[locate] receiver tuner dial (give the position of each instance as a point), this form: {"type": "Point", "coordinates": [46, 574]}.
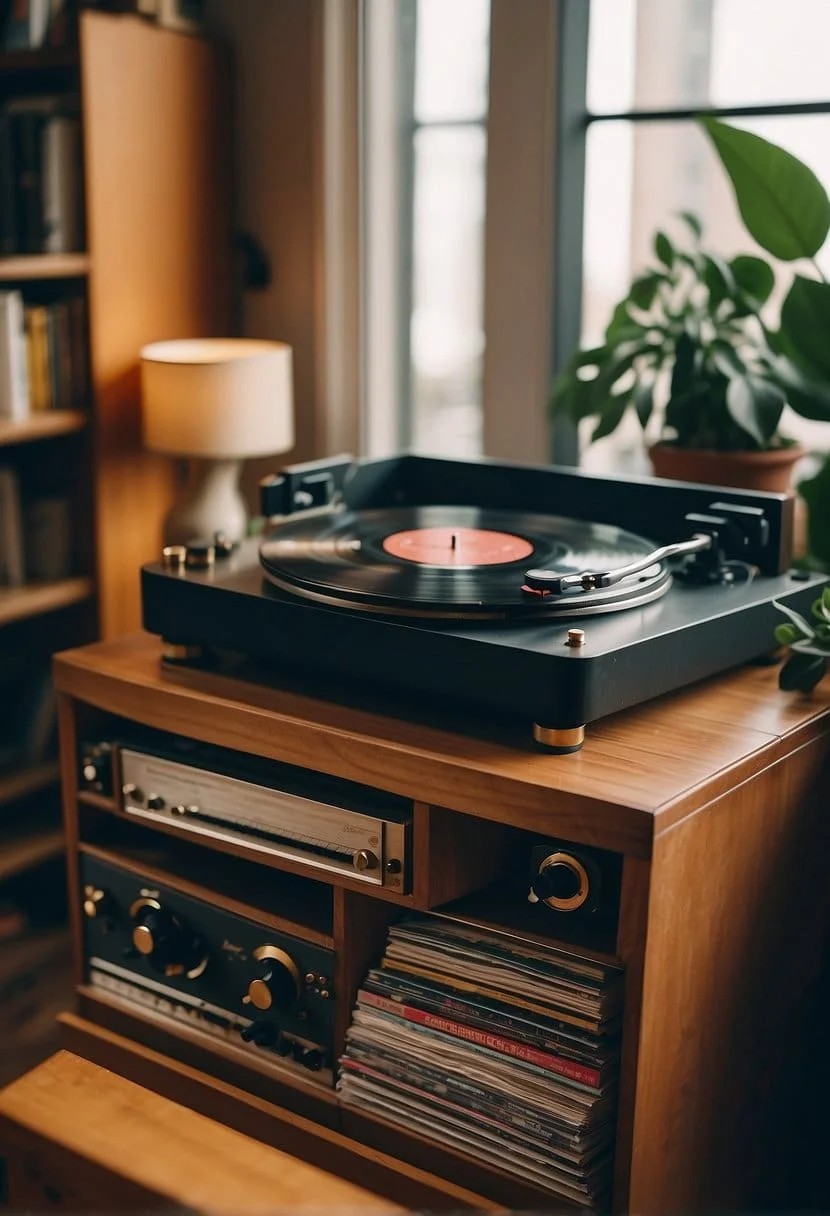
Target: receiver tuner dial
{"type": "Point", "coordinates": [168, 944]}
{"type": "Point", "coordinates": [561, 882]}
{"type": "Point", "coordinates": [277, 984]}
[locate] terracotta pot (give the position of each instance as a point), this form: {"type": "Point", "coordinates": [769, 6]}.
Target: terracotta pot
{"type": "Point", "coordinates": [739, 470]}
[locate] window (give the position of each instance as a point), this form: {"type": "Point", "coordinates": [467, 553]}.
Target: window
{"type": "Point", "coordinates": [425, 158]}
{"type": "Point", "coordinates": [651, 66]}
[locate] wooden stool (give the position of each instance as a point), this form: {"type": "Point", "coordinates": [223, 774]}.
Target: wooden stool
{"type": "Point", "coordinates": [78, 1137]}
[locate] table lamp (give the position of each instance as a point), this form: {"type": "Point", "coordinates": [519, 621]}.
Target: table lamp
{"type": "Point", "coordinates": [216, 401]}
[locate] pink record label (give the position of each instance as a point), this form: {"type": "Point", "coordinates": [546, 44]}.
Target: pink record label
{"type": "Point", "coordinates": [457, 547]}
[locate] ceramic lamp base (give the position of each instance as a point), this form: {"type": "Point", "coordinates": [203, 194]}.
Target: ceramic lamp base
{"type": "Point", "coordinates": [211, 503]}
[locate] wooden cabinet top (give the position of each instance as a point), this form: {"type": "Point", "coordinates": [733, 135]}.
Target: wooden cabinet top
{"type": "Point", "coordinates": [639, 772]}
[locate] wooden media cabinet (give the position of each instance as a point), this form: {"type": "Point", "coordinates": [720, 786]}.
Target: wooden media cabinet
{"type": "Point", "coordinates": [707, 804]}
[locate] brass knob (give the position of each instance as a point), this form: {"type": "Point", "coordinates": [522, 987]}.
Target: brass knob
{"type": "Point", "coordinates": [96, 902]}
{"type": "Point", "coordinates": [279, 982]}
{"type": "Point", "coordinates": [364, 860]}
{"type": "Point", "coordinates": [259, 994]}
{"type": "Point", "coordinates": [143, 939]}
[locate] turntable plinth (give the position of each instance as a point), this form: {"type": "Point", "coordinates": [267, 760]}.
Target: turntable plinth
{"type": "Point", "coordinates": [710, 801]}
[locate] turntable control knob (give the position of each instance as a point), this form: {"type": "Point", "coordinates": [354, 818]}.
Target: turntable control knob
{"type": "Point", "coordinates": [98, 904]}
{"type": "Point", "coordinates": [168, 944]}
{"type": "Point", "coordinates": [561, 882]}
{"type": "Point", "coordinates": [278, 983]}
{"type": "Point", "coordinates": [364, 860]}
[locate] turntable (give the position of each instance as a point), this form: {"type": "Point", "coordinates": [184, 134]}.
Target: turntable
{"type": "Point", "coordinates": [545, 593]}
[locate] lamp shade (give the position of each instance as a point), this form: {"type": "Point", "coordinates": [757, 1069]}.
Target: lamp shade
{"type": "Point", "coordinates": [217, 397]}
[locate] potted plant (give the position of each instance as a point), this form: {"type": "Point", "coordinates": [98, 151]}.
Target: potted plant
{"type": "Point", "coordinates": [689, 352]}
{"type": "Point", "coordinates": [786, 210]}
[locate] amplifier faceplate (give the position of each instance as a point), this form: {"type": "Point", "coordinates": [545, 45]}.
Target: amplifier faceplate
{"type": "Point", "coordinates": [160, 951]}
{"type": "Point", "coordinates": [373, 848]}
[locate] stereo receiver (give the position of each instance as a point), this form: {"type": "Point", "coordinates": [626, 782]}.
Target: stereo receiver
{"type": "Point", "coordinates": [338, 826]}
{"type": "Point", "coordinates": [169, 956]}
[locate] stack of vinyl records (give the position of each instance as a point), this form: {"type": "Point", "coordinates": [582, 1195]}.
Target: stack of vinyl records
{"type": "Point", "coordinates": [504, 1050]}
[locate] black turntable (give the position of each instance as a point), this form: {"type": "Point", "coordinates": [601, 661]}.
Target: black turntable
{"type": "Point", "coordinates": [529, 592]}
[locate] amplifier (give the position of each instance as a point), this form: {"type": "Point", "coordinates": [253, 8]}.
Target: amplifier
{"type": "Point", "coordinates": [168, 955]}
{"type": "Point", "coordinates": [327, 823]}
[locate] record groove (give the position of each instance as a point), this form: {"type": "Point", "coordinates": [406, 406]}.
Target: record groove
{"type": "Point", "coordinates": [467, 562]}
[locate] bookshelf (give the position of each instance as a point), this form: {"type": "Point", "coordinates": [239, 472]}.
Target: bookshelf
{"type": "Point", "coordinates": [154, 262]}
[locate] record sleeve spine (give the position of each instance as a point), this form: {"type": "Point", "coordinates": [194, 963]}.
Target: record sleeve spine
{"type": "Point", "coordinates": [579, 1073]}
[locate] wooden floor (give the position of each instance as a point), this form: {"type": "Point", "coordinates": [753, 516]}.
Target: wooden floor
{"type": "Point", "coordinates": [35, 986]}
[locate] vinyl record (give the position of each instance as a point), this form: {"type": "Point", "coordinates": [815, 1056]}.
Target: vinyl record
{"type": "Point", "coordinates": [453, 562]}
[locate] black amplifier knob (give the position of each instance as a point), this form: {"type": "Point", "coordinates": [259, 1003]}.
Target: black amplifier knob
{"type": "Point", "coordinates": [169, 945]}
{"type": "Point", "coordinates": [277, 984]}
{"type": "Point", "coordinates": [562, 882]}
{"type": "Point", "coordinates": [261, 1034]}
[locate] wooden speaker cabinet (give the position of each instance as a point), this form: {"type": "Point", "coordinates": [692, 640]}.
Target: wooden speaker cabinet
{"type": "Point", "coordinates": [703, 811]}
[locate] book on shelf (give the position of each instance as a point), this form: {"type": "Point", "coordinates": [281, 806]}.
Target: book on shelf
{"type": "Point", "coordinates": [28, 25]}
{"type": "Point", "coordinates": [41, 395]}
{"type": "Point", "coordinates": [14, 373]}
{"type": "Point", "coordinates": [47, 536]}
{"type": "Point", "coordinates": [40, 175]}
{"type": "Point", "coordinates": [12, 570]}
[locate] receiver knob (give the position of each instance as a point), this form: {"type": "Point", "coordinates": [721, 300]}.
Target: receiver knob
{"type": "Point", "coordinates": [364, 860]}
{"type": "Point", "coordinates": [278, 982]}
{"type": "Point", "coordinates": [561, 882]}
{"type": "Point", "coordinates": [167, 943]}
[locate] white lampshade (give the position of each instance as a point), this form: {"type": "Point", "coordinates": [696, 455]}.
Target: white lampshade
{"type": "Point", "coordinates": [225, 398]}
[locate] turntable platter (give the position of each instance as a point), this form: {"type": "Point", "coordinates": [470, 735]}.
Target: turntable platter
{"type": "Point", "coordinates": [453, 562]}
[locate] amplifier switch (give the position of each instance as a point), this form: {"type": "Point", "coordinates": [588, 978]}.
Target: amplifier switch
{"type": "Point", "coordinates": [98, 904]}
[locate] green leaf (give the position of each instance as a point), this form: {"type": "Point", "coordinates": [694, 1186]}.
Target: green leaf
{"type": "Point", "coordinates": [808, 397]}
{"type": "Point", "coordinates": [755, 406]}
{"type": "Point", "coordinates": [805, 323]}
{"type": "Point", "coordinates": [612, 416]}
{"type": "Point", "coordinates": [801, 673]}
{"type": "Point", "coordinates": [664, 249]}
{"type": "Point", "coordinates": [726, 359]}
{"type": "Point", "coordinates": [754, 277]}
{"type": "Point", "coordinates": [644, 402]}
{"type": "Point", "coordinates": [786, 634]}
{"type": "Point", "coordinates": [718, 278]}
{"type": "Point", "coordinates": [622, 326]}
{"type": "Point", "coordinates": [816, 493]}
{"type": "Point", "coordinates": [781, 201]}
{"type": "Point", "coordinates": [684, 361]}
{"type": "Point", "coordinates": [796, 618]}
{"type": "Point", "coordinates": [644, 289]}
{"type": "Point", "coordinates": [693, 223]}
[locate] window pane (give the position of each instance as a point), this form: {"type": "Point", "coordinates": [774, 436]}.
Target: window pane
{"type": "Point", "coordinates": [447, 314]}
{"type": "Point", "coordinates": [656, 55]}
{"type": "Point", "coordinates": [451, 59]}
{"type": "Point", "coordinates": [638, 177]}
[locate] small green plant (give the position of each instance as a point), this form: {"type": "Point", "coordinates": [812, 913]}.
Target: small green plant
{"type": "Point", "coordinates": [809, 645]}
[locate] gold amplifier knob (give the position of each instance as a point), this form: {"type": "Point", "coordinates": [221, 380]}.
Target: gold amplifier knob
{"type": "Point", "coordinates": [169, 945]}
{"type": "Point", "coordinates": [278, 984]}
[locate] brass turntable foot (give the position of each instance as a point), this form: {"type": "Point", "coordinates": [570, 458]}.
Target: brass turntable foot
{"type": "Point", "coordinates": [557, 740]}
{"type": "Point", "coordinates": [180, 652]}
